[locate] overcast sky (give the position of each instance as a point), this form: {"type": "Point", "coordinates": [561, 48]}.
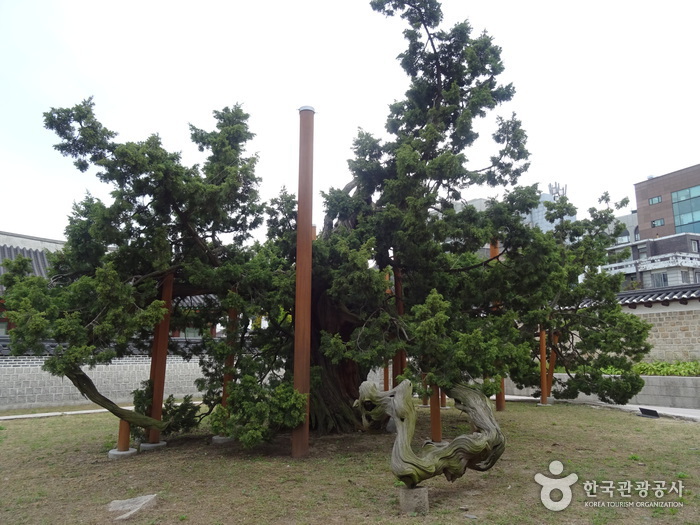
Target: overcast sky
{"type": "Point", "coordinates": [607, 90]}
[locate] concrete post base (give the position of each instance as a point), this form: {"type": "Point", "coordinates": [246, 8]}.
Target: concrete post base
{"type": "Point", "coordinates": [413, 501]}
{"type": "Point", "coordinates": [119, 454]}
{"type": "Point", "coordinates": [143, 447]}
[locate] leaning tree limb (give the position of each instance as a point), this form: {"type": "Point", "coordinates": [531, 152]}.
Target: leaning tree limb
{"type": "Point", "coordinates": [477, 451]}
{"type": "Point", "coordinates": [86, 387]}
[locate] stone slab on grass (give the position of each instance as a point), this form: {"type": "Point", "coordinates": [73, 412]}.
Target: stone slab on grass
{"type": "Point", "coordinates": [131, 506]}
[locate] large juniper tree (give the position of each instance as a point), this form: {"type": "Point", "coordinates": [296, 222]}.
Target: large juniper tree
{"type": "Point", "coordinates": [102, 301]}
{"type": "Point", "coordinates": [456, 315]}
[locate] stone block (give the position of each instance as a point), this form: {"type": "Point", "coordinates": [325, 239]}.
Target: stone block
{"type": "Point", "coordinates": [413, 501]}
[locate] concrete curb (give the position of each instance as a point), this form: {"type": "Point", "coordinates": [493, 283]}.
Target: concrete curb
{"type": "Point", "coordinates": [687, 414]}
{"type": "Point", "coordinates": [54, 414]}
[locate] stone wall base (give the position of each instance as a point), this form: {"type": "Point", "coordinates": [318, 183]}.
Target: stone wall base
{"type": "Point", "coordinates": [23, 383]}
{"type": "Point", "coordinates": [662, 391]}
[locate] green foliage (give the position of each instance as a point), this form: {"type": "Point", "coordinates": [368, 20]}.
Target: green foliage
{"type": "Point", "coordinates": [661, 368]}
{"type": "Point", "coordinates": [658, 368]}
{"type": "Point", "coordinates": [458, 316]}
{"type": "Point", "coordinates": [182, 417]}
{"type": "Point", "coordinates": [102, 298]}
{"type": "Point", "coordinates": [256, 412]}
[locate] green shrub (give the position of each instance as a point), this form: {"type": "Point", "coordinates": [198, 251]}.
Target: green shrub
{"type": "Point", "coordinates": [183, 417]}
{"type": "Point", "coordinates": [256, 412]}
{"type": "Point", "coordinates": [661, 368]}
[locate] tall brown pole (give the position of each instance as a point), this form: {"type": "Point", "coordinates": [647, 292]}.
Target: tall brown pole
{"type": "Point", "coordinates": [500, 396]}
{"type": "Point", "coordinates": [435, 416]}
{"type": "Point", "coordinates": [387, 371]}
{"type": "Point", "coordinates": [543, 366]}
{"type": "Point", "coordinates": [159, 356]}
{"type": "Point", "coordinates": [302, 306]}
{"type": "Point", "coordinates": [399, 360]}
{"type": "Point", "coordinates": [230, 359]}
{"type": "Point", "coordinates": [552, 363]}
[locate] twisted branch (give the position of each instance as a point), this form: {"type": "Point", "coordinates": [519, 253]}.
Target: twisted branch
{"type": "Point", "coordinates": [477, 451]}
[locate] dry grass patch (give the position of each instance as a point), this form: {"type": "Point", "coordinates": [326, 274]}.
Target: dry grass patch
{"type": "Point", "coordinates": [56, 471]}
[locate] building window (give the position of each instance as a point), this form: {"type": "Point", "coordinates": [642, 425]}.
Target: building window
{"type": "Point", "coordinates": [685, 276]}
{"type": "Point", "coordinates": [697, 277]}
{"type": "Point", "coordinates": [192, 333]}
{"type": "Point", "coordinates": [3, 327]}
{"type": "Point", "coordinates": [659, 280]}
{"type": "Point", "coordinates": [655, 200]}
{"type": "Point", "coordinates": [657, 222]}
{"type": "Point", "coordinates": [694, 245]}
{"type": "Point", "coordinates": [624, 237]}
{"type": "Point", "coordinates": [686, 210]}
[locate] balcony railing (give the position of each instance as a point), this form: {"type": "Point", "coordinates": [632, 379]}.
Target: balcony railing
{"type": "Point", "coordinates": [657, 262]}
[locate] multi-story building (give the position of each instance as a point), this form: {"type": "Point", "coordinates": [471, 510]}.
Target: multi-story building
{"type": "Point", "coordinates": [669, 204]}
{"type": "Point", "coordinates": [663, 234]}
{"type": "Point", "coordinates": [536, 216]}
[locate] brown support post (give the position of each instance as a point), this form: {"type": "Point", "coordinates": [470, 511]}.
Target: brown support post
{"type": "Point", "coordinates": [398, 365]}
{"type": "Point", "coordinates": [124, 438]}
{"type": "Point", "coordinates": [552, 363]}
{"type": "Point", "coordinates": [159, 356]}
{"type": "Point", "coordinates": [543, 366]}
{"type": "Point", "coordinates": [501, 395]}
{"type": "Point", "coordinates": [302, 308]}
{"type": "Point", "coordinates": [399, 361]}
{"type": "Point", "coordinates": [435, 416]}
{"type": "Point", "coordinates": [443, 399]}
{"type": "Point", "coordinates": [424, 398]}
{"type": "Point", "coordinates": [228, 374]}
{"type": "Point", "coordinates": [228, 377]}
{"type": "Point", "coordinates": [387, 371]}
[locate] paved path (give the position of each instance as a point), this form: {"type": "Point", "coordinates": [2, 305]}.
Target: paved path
{"type": "Point", "coordinates": [677, 413]}
{"type": "Point", "coordinates": [54, 414]}
{"type": "Point", "coordinates": [689, 414]}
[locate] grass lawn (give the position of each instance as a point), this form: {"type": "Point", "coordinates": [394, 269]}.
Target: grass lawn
{"type": "Point", "coordinates": [56, 471]}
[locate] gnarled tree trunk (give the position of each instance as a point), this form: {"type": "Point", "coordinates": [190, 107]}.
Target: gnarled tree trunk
{"type": "Point", "coordinates": [334, 392]}
{"type": "Point", "coordinates": [83, 383]}
{"type": "Point", "coordinates": [478, 451]}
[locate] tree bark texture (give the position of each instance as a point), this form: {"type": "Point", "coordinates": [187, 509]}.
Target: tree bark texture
{"type": "Point", "coordinates": [86, 387]}
{"type": "Point", "coordinates": [336, 387]}
{"type": "Point", "coordinates": [477, 451]}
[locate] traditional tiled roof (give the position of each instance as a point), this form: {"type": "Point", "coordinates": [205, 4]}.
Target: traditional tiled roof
{"type": "Point", "coordinates": [40, 263]}
{"type": "Point", "coordinates": [182, 346]}
{"type": "Point", "coordinates": [665, 296]}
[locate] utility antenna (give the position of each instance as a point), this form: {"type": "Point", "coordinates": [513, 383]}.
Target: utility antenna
{"type": "Point", "coordinates": [556, 191]}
